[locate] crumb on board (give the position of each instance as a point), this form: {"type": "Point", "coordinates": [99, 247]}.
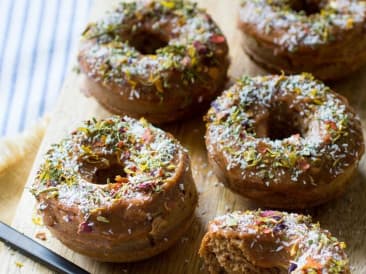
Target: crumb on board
{"type": "Point", "coordinates": [37, 220]}
{"type": "Point", "coordinates": [19, 264]}
{"type": "Point", "coordinates": [41, 235]}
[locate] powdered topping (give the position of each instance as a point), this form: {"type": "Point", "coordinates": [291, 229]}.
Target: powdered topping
{"type": "Point", "coordinates": [107, 160]}
{"type": "Point", "coordinates": [328, 138]}
{"type": "Point", "coordinates": [291, 27]}
{"type": "Point", "coordinates": [192, 39]}
{"type": "Point", "coordinates": [309, 248]}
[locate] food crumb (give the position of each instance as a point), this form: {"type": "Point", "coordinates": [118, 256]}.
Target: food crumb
{"type": "Point", "coordinates": [41, 235]}
{"type": "Point", "coordinates": [19, 264]}
{"type": "Point", "coordinates": [37, 220]}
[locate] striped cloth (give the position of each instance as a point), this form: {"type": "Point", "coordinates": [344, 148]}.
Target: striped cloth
{"type": "Point", "coordinates": [37, 42]}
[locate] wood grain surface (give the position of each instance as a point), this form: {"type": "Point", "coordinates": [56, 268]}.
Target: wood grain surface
{"type": "Point", "coordinates": [345, 217]}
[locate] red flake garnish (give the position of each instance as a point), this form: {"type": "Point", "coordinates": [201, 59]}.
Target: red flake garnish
{"type": "Point", "coordinates": [303, 164]}
{"type": "Point", "coordinates": [268, 213]}
{"type": "Point", "coordinates": [200, 48]}
{"type": "Point", "coordinates": [120, 144]}
{"type": "Point", "coordinates": [217, 39]}
{"type": "Point", "coordinates": [147, 136]}
{"type": "Point", "coordinates": [331, 124]}
{"type": "Point", "coordinates": [311, 263]}
{"type": "Point", "coordinates": [85, 227]}
{"type": "Point", "coordinates": [262, 147]}
{"type": "Point", "coordinates": [147, 186]}
{"type": "Point", "coordinates": [327, 138]}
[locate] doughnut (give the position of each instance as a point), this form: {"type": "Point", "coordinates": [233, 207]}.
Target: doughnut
{"type": "Point", "coordinates": [271, 242]}
{"type": "Point", "coordinates": [324, 37]}
{"type": "Point", "coordinates": [283, 141]}
{"type": "Point", "coordinates": [162, 60]}
{"type": "Point", "coordinates": [116, 190]}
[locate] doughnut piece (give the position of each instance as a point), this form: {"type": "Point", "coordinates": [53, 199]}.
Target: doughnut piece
{"type": "Point", "coordinates": [286, 142]}
{"type": "Point", "coordinates": [162, 60]}
{"type": "Point", "coordinates": [116, 190]}
{"type": "Point", "coordinates": [324, 37]}
{"type": "Point", "coordinates": [271, 242]}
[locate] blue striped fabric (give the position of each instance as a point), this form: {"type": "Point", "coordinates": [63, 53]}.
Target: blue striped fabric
{"type": "Point", "coordinates": [37, 42]}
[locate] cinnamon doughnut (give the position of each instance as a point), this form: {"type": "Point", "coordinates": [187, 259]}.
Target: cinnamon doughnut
{"type": "Point", "coordinates": [286, 142]}
{"type": "Point", "coordinates": [271, 242]}
{"type": "Point", "coordinates": [116, 190]}
{"type": "Point", "coordinates": [162, 60]}
{"type": "Point", "coordinates": [324, 37]}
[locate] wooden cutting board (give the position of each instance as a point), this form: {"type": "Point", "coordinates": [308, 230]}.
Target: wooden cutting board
{"type": "Point", "coordinates": [345, 218]}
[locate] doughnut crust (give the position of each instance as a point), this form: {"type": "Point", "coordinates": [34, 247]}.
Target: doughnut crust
{"type": "Point", "coordinates": [324, 37]}
{"type": "Point", "coordinates": [116, 190]}
{"type": "Point", "coordinates": [286, 142]}
{"type": "Point", "coordinates": [162, 60]}
{"type": "Point", "coordinates": [271, 242]}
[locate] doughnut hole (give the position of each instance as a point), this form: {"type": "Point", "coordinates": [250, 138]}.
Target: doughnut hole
{"type": "Point", "coordinates": [309, 7]}
{"type": "Point", "coordinates": [102, 172]}
{"type": "Point", "coordinates": [279, 122]}
{"type": "Point", "coordinates": [147, 42]}
{"type": "Point", "coordinates": [108, 175]}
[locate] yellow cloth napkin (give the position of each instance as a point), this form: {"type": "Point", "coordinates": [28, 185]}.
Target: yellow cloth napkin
{"type": "Point", "coordinates": [16, 159]}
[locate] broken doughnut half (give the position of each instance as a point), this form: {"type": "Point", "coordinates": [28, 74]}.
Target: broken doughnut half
{"type": "Point", "coordinates": [271, 242]}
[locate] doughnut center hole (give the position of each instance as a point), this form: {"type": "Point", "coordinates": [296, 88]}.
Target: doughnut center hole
{"type": "Point", "coordinates": [147, 42]}
{"type": "Point", "coordinates": [107, 175]}
{"type": "Point", "coordinates": [282, 123]}
{"type": "Point", "coordinates": [308, 7]}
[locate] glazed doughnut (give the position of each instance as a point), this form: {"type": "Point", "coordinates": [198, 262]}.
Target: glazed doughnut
{"type": "Point", "coordinates": [116, 190]}
{"type": "Point", "coordinates": [324, 37]}
{"type": "Point", "coordinates": [286, 142]}
{"type": "Point", "coordinates": [162, 60]}
{"type": "Point", "coordinates": [271, 242]}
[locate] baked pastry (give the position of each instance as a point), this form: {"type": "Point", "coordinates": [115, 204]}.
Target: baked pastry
{"type": "Point", "coordinates": [324, 37]}
{"type": "Point", "coordinates": [271, 242]}
{"type": "Point", "coordinates": [162, 60]}
{"type": "Point", "coordinates": [116, 190]}
{"type": "Point", "coordinates": [286, 142]}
